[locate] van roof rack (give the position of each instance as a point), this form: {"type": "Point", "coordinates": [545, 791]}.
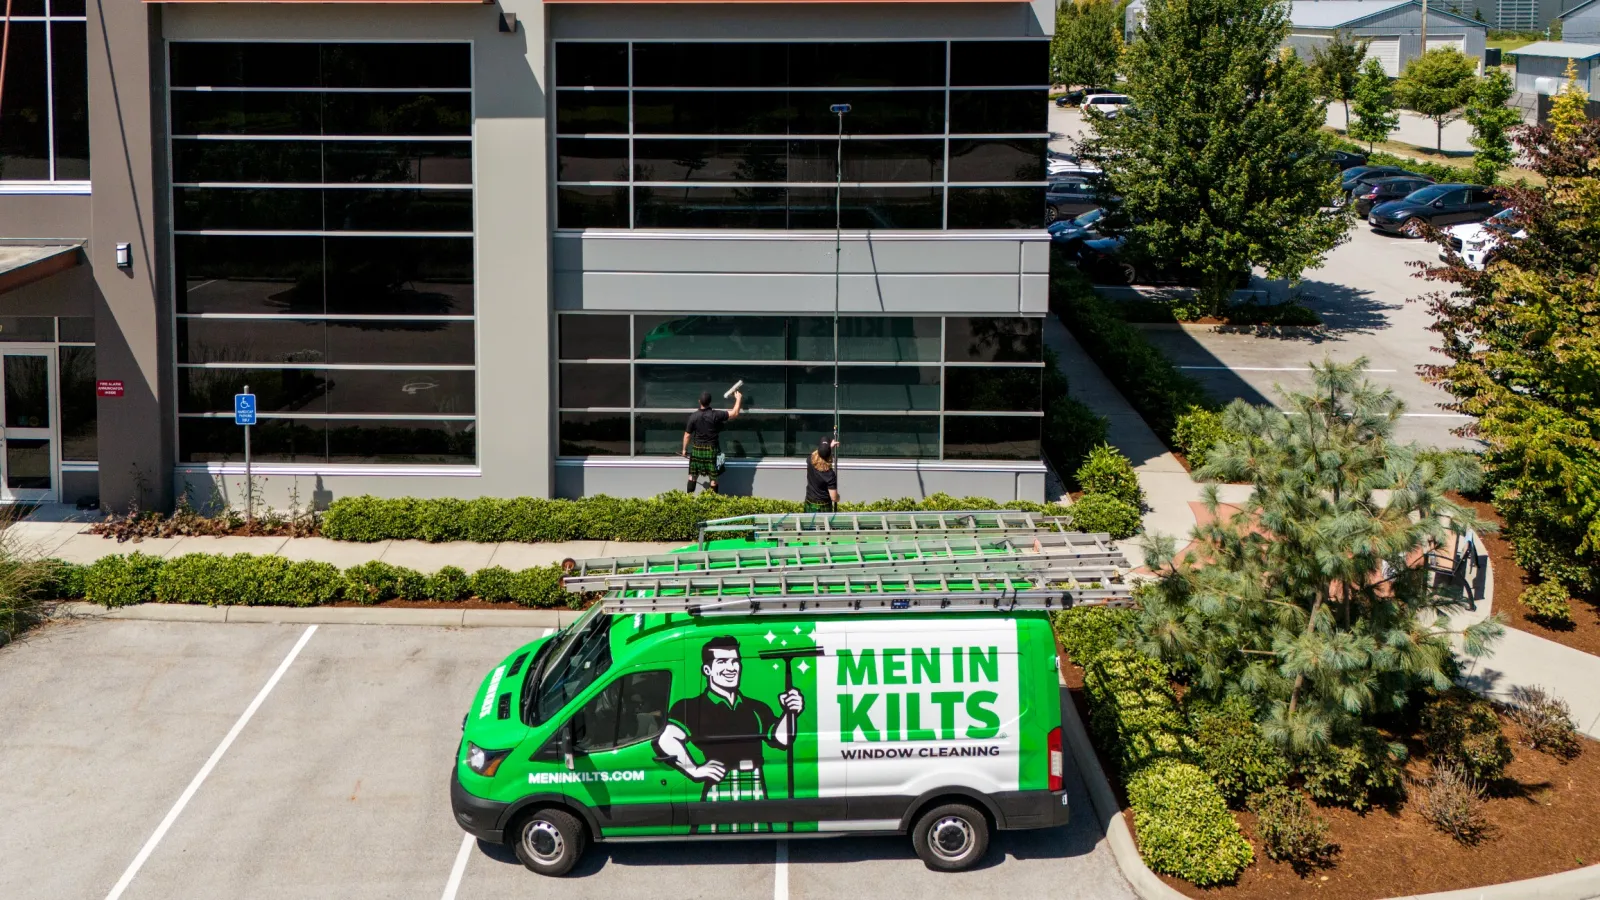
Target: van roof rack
{"type": "Point", "coordinates": [853, 527]}
{"type": "Point", "coordinates": [1072, 554]}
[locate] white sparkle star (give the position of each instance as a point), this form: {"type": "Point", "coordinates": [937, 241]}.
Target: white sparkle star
{"type": "Point", "coordinates": [804, 666]}
{"type": "Point", "coordinates": [784, 643]}
{"type": "Point", "coordinates": [771, 637]}
{"type": "Point", "coordinates": [797, 629]}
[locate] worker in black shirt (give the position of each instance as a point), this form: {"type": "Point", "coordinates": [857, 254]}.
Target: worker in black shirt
{"type": "Point", "coordinates": [822, 480]}
{"type": "Point", "coordinates": [702, 439]}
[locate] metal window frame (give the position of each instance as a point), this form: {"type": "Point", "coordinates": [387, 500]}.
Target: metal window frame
{"type": "Point", "coordinates": [49, 184]}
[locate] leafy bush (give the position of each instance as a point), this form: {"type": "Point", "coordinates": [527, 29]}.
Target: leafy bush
{"type": "Point", "coordinates": [494, 584]}
{"type": "Point", "coordinates": [1288, 830]}
{"type": "Point", "coordinates": [119, 580]}
{"type": "Point", "coordinates": [1198, 430]}
{"type": "Point", "coordinates": [540, 587]}
{"type": "Point", "coordinates": [1103, 512]}
{"type": "Point", "coordinates": [1290, 314]}
{"type": "Point", "coordinates": [1464, 733]}
{"type": "Point", "coordinates": [1108, 472]}
{"type": "Point", "coordinates": [1183, 825]}
{"type": "Point", "coordinates": [63, 580]}
{"type": "Point", "coordinates": [449, 585]}
{"type": "Point", "coordinates": [1358, 775]}
{"type": "Point", "coordinates": [1230, 747]}
{"type": "Point", "coordinates": [307, 583]}
{"type": "Point", "coordinates": [411, 585]}
{"type": "Point", "coordinates": [1548, 602]}
{"type": "Point", "coordinates": [1437, 171]}
{"type": "Point", "coordinates": [1088, 631]}
{"type": "Point", "coordinates": [1453, 802]}
{"type": "Point", "coordinates": [372, 582]}
{"type": "Point", "coordinates": [1070, 429]}
{"type": "Point", "coordinates": [1546, 720]}
{"type": "Point", "coordinates": [1132, 710]}
{"type": "Point", "coordinates": [205, 579]}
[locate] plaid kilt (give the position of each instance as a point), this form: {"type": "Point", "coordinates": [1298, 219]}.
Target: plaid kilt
{"type": "Point", "coordinates": [738, 785]}
{"type": "Point", "coordinates": [819, 507]}
{"type": "Point", "coordinates": [702, 460]}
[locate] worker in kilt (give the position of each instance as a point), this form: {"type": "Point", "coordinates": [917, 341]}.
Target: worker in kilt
{"type": "Point", "coordinates": [702, 439]}
{"type": "Point", "coordinates": [822, 478]}
{"type": "Point", "coordinates": [730, 730]}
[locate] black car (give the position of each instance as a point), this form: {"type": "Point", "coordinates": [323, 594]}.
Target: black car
{"type": "Point", "coordinates": [1382, 190]}
{"type": "Point", "coordinates": [1354, 178]}
{"type": "Point", "coordinates": [1069, 196]}
{"type": "Point", "coordinates": [1068, 234]}
{"type": "Point", "coordinates": [1437, 205]}
{"type": "Point", "coordinates": [1345, 160]}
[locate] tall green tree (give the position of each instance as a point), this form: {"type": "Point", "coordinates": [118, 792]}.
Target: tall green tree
{"type": "Point", "coordinates": [1523, 339]}
{"type": "Point", "coordinates": [1374, 98]}
{"type": "Point", "coordinates": [1437, 84]}
{"type": "Point", "coordinates": [1087, 42]}
{"type": "Point", "coordinates": [1337, 64]}
{"type": "Point", "coordinates": [1220, 161]}
{"type": "Point", "coordinates": [1314, 601]}
{"type": "Point", "coordinates": [1492, 122]}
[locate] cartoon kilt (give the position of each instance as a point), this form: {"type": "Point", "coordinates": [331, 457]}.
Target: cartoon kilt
{"type": "Point", "coordinates": [730, 730]}
{"type": "Point", "coordinates": [742, 783]}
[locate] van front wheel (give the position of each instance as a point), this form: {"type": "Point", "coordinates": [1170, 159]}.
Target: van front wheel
{"type": "Point", "coordinates": [951, 838]}
{"type": "Point", "coordinates": [550, 842]}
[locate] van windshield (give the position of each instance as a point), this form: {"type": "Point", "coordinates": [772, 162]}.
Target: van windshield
{"type": "Point", "coordinates": [581, 655]}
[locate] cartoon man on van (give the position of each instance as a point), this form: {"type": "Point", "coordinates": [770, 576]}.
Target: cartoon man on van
{"type": "Point", "coordinates": [728, 728]}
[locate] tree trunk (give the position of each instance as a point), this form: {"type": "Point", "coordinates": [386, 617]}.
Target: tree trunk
{"type": "Point", "coordinates": [1438, 136]}
{"type": "Point", "coordinates": [1300, 680]}
{"type": "Point", "coordinates": [1346, 102]}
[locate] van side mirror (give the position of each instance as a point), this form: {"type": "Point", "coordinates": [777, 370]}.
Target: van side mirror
{"type": "Point", "coordinates": [567, 755]}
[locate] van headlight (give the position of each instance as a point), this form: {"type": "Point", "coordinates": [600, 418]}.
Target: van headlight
{"type": "Point", "coordinates": [485, 762]}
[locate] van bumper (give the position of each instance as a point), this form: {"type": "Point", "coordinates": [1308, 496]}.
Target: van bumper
{"type": "Point", "coordinates": [1032, 809]}
{"type": "Point", "coordinates": [483, 819]}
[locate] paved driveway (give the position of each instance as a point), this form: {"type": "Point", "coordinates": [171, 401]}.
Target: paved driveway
{"type": "Point", "coordinates": [336, 785]}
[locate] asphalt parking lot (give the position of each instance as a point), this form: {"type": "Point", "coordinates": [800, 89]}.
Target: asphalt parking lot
{"type": "Point", "coordinates": [325, 773]}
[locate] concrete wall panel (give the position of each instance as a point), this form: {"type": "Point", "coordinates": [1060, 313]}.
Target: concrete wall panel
{"type": "Point", "coordinates": [863, 480]}
{"type": "Point", "coordinates": [778, 293]}
{"type": "Point", "coordinates": [32, 216]}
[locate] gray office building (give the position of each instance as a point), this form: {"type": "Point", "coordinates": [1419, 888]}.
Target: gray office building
{"type": "Point", "coordinates": [465, 249]}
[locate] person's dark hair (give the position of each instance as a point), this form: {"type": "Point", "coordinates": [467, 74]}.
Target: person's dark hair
{"type": "Point", "coordinates": [726, 642]}
{"type": "Point", "coordinates": [705, 399]}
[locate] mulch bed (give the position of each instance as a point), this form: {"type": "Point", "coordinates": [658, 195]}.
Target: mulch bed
{"type": "Point", "coordinates": [1510, 580]}
{"type": "Point", "coordinates": [473, 603]}
{"type": "Point", "coordinates": [1543, 816]}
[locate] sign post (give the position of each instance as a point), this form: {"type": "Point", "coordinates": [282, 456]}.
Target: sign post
{"type": "Point", "coordinates": [244, 413]}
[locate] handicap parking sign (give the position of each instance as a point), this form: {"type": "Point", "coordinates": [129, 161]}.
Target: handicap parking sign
{"type": "Point", "coordinates": [244, 409]}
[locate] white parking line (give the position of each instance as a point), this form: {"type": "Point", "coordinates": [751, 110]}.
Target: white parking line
{"type": "Point", "coordinates": [205, 770]}
{"type": "Point", "coordinates": [780, 875]}
{"type": "Point", "coordinates": [1270, 369]}
{"type": "Point", "coordinates": [459, 869]}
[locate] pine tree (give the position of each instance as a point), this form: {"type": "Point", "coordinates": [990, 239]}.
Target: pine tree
{"type": "Point", "coordinates": [1337, 65]}
{"type": "Point", "coordinates": [1220, 162]}
{"type": "Point", "coordinates": [1087, 42]}
{"type": "Point", "coordinates": [1374, 98]}
{"type": "Point", "coordinates": [1437, 84]}
{"type": "Point", "coordinates": [1314, 601]}
{"type": "Point", "coordinates": [1492, 122]}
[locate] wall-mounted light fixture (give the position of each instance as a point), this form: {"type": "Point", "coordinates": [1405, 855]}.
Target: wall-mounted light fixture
{"type": "Point", "coordinates": [124, 256]}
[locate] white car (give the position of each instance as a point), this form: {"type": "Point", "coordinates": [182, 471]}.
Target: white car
{"type": "Point", "coordinates": [1476, 241]}
{"type": "Point", "coordinates": [1105, 104]}
{"type": "Point", "coordinates": [1057, 167]}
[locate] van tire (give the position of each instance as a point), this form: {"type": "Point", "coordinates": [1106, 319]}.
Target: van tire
{"type": "Point", "coordinates": [550, 841]}
{"type": "Point", "coordinates": [950, 838]}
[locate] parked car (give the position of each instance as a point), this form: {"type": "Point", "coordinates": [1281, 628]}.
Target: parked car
{"type": "Point", "coordinates": [1069, 233]}
{"type": "Point", "coordinates": [1105, 104]}
{"type": "Point", "coordinates": [1360, 175]}
{"type": "Point", "coordinates": [1345, 160]}
{"type": "Point", "coordinates": [1382, 190]}
{"type": "Point", "coordinates": [1478, 242]}
{"type": "Point", "coordinates": [1073, 97]}
{"type": "Point", "coordinates": [1060, 164]}
{"type": "Point", "coordinates": [1068, 197]}
{"type": "Point", "coordinates": [1437, 205]}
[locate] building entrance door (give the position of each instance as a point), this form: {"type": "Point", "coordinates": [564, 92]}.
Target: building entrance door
{"type": "Point", "coordinates": [28, 465]}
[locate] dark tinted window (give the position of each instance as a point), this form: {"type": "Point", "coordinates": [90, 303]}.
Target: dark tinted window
{"type": "Point", "coordinates": [1011, 207]}
{"type": "Point", "coordinates": [591, 112]}
{"type": "Point", "coordinates": [588, 385]}
{"type": "Point", "coordinates": [594, 434]}
{"type": "Point", "coordinates": [584, 64]}
{"type": "Point", "coordinates": [397, 162]}
{"type": "Point", "coordinates": [892, 437]}
{"type": "Point", "coordinates": [399, 276]}
{"type": "Point", "coordinates": [993, 340]}
{"type": "Point", "coordinates": [397, 114]}
{"type": "Point", "coordinates": [592, 207]}
{"type": "Point", "coordinates": [997, 159]}
{"type": "Point", "coordinates": [586, 159]}
{"type": "Point", "coordinates": [871, 208]}
{"type": "Point", "coordinates": [711, 337]}
{"type": "Point", "coordinates": [271, 440]}
{"type": "Point", "coordinates": [807, 64]}
{"type": "Point", "coordinates": [238, 64]}
{"type": "Point", "coordinates": [879, 64]}
{"type": "Point", "coordinates": [713, 159]}
{"type": "Point", "coordinates": [594, 337]}
{"type": "Point", "coordinates": [872, 112]}
{"type": "Point", "coordinates": [249, 274]}
{"type": "Point", "coordinates": [865, 387]}
{"type": "Point", "coordinates": [79, 431]}
{"type": "Point", "coordinates": [710, 112]}
{"type": "Point", "coordinates": [69, 71]}
{"type": "Point", "coordinates": [448, 392]}
{"type": "Point", "coordinates": [280, 161]}
{"type": "Point", "coordinates": [682, 207]}
{"type": "Point", "coordinates": [992, 388]}
{"type": "Point", "coordinates": [76, 329]}
{"type": "Point", "coordinates": [231, 112]}
{"type": "Point", "coordinates": [25, 115]}
{"type": "Point", "coordinates": [397, 210]}
{"type": "Point", "coordinates": [367, 341]}
{"type": "Point", "coordinates": [396, 65]}
{"type": "Point", "coordinates": [1000, 62]}
{"type": "Point", "coordinates": [998, 112]}
{"type": "Point", "coordinates": [991, 437]}
{"type": "Point", "coordinates": [698, 64]}
{"type": "Point", "coordinates": [276, 390]}
{"type": "Point", "coordinates": [309, 65]}
{"type": "Point", "coordinates": [1430, 193]}
{"type": "Point", "coordinates": [401, 442]}
{"type": "Point", "coordinates": [197, 209]}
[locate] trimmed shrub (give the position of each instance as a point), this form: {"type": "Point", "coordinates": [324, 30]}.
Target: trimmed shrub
{"type": "Point", "coordinates": [1453, 802]}
{"type": "Point", "coordinates": [1105, 513]}
{"type": "Point", "coordinates": [307, 583]}
{"type": "Point", "coordinates": [1288, 830]}
{"type": "Point", "coordinates": [1183, 825]}
{"type": "Point", "coordinates": [1358, 775]}
{"type": "Point", "coordinates": [449, 585]}
{"type": "Point", "coordinates": [1464, 733]}
{"type": "Point", "coordinates": [1132, 710]}
{"type": "Point", "coordinates": [410, 584]}
{"type": "Point", "coordinates": [204, 579]}
{"type": "Point", "coordinates": [119, 580]}
{"type": "Point", "coordinates": [1085, 632]}
{"type": "Point", "coordinates": [1108, 472]}
{"type": "Point", "coordinates": [64, 580]}
{"type": "Point", "coordinates": [1547, 601]}
{"type": "Point", "coordinates": [372, 582]}
{"type": "Point", "coordinates": [1197, 431]}
{"type": "Point", "coordinates": [1232, 749]}
{"type": "Point", "coordinates": [1546, 721]}
{"type": "Point", "coordinates": [540, 587]}
{"type": "Point", "coordinates": [494, 584]}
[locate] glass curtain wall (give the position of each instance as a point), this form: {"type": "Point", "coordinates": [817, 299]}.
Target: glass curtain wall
{"type": "Point", "coordinates": [909, 387]}
{"type": "Point", "coordinates": [323, 251]}
{"type": "Point", "coordinates": [44, 119]}
{"type": "Point", "coordinates": [941, 134]}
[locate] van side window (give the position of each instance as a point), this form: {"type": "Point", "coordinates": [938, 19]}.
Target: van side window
{"type": "Point", "coordinates": [631, 709]}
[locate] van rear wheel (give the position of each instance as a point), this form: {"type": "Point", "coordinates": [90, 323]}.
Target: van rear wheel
{"type": "Point", "coordinates": [550, 842]}
{"type": "Point", "coordinates": [951, 838]}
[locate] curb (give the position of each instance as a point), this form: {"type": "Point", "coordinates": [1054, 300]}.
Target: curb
{"type": "Point", "coordinates": [1257, 330]}
{"type": "Point", "coordinates": [1574, 884]}
{"type": "Point", "coordinates": [326, 615]}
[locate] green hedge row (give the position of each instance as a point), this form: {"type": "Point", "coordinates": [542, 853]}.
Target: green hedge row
{"type": "Point", "coordinates": [247, 580]}
{"type": "Point", "coordinates": [1180, 817]}
{"type": "Point", "coordinates": [1436, 171]}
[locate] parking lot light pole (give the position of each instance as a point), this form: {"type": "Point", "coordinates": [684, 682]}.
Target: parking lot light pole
{"type": "Point", "coordinates": [838, 109]}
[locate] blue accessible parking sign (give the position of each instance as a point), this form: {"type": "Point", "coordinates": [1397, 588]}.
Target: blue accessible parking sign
{"type": "Point", "coordinates": [244, 409]}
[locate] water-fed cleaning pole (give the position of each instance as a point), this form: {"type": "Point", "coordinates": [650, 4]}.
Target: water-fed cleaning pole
{"type": "Point", "coordinates": [838, 109]}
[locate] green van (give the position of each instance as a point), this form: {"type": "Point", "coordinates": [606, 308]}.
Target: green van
{"type": "Point", "coordinates": [627, 726]}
